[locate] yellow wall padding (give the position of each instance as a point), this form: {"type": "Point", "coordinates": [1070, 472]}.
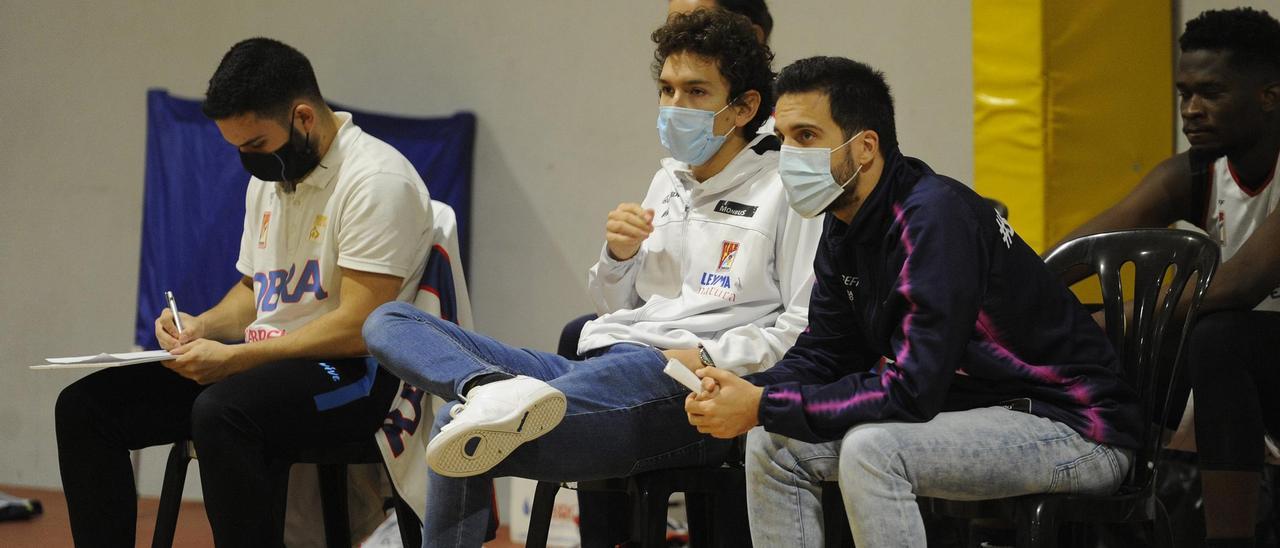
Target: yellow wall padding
{"type": "Point", "coordinates": [1073, 103]}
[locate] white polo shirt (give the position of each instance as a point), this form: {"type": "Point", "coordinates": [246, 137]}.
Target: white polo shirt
{"type": "Point", "coordinates": [363, 208]}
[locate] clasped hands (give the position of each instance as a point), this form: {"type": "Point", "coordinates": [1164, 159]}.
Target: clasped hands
{"type": "Point", "coordinates": [727, 407]}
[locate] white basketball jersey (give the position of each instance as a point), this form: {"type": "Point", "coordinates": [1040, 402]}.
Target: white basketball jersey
{"type": "Point", "coordinates": [1235, 212]}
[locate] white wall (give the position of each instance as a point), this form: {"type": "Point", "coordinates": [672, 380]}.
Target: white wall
{"type": "Point", "coordinates": [566, 109]}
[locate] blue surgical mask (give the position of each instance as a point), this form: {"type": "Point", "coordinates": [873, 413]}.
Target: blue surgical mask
{"type": "Point", "coordinates": [689, 133]}
{"type": "Point", "coordinates": [806, 176]}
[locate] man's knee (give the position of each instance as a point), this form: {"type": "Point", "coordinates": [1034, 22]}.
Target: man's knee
{"type": "Point", "coordinates": [1214, 335]}
{"type": "Point", "coordinates": [867, 450]}
{"type": "Point", "coordinates": [776, 455]}
{"type": "Point", "coordinates": [74, 408]}
{"type": "Point", "coordinates": [212, 416]}
{"type": "Point", "coordinates": [1215, 328]}
{"type": "Point", "coordinates": [384, 318]}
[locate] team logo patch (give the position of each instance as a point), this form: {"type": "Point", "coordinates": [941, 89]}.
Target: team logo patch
{"type": "Point", "coordinates": [718, 285]}
{"type": "Point", "coordinates": [273, 287]}
{"type": "Point", "coordinates": [728, 253]}
{"type": "Point", "coordinates": [1006, 230]}
{"type": "Point", "coordinates": [317, 227]}
{"type": "Point", "coordinates": [736, 209]}
{"type": "Point", "coordinates": [262, 232]}
{"type": "Point", "coordinates": [260, 333]}
{"type": "Point", "coordinates": [850, 281]}
{"type": "Point", "coordinates": [332, 372]}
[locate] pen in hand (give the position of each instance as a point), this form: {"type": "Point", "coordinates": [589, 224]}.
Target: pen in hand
{"type": "Point", "coordinates": [173, 308]}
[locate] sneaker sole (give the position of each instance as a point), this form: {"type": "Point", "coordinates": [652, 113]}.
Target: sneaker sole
{"type": "Point", "coordinates": [490, 443]}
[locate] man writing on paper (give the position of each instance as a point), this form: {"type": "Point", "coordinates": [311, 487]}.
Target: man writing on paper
{"type": "Point", "coordinates": [336, 223]}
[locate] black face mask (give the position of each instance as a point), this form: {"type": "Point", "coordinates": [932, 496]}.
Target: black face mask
{"type": "Point", "coordinates": [287, 165]}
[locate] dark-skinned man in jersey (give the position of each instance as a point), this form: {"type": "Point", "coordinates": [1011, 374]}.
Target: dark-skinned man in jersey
{"type": "Point", "coordinates": [1228, 81]}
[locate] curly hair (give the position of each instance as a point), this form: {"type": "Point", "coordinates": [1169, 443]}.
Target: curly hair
{"type": "Point", "coordinates": [1252, 36]}
{"type": "Point", "coordinates": [729, 40]}
{"type": "Point", "coordinates": [755, 10]}
{"type": "Point", "coordinates": [260, 76]}
{"type": "Point", "coordinates": [859, 95]}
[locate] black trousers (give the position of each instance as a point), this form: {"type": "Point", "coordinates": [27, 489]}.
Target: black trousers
{"type": "Point", "coordinates": [245, 429]}
{"type": "Point", "coordinates": [1235, 363]}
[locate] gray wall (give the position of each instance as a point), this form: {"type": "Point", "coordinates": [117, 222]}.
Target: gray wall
{"type": "Point", "coordinates": [566, 109]}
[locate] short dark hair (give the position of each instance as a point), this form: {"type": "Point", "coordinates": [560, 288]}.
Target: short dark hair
{"type": "Point", "coordinates": [755, 10]}
{"type": "Point", "coordinates": [260, 76]}
{"type": "Point", "coordinates": [1251, 36]}
{"type": "Point", "coordinates": [728, 39]}
{"type": "Point", "coordinates": [860, 97]}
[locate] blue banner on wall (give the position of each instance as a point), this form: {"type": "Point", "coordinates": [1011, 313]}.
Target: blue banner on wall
{"type": "Point", "coordinates": [193, 203]}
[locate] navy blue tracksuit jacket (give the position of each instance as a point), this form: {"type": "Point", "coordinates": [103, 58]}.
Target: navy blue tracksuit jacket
{"type": "Point", "coordinates": [930, 277]}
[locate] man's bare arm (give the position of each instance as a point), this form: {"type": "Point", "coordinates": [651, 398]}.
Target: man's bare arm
{"type": "Point", "coordinates": [1160, 198]}
{"type": "Point", "coordinates": [1251, 274]}
{"type": "Point", "coordinates": [335, 334]}
{"type": "Point", "coordinates": [1163, 195]}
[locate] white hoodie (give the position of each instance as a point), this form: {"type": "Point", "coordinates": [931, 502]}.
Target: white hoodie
{"type": "Point", "coordinates": [729, 266]}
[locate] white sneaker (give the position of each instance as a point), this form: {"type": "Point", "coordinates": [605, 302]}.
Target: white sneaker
{"type": "Point", "coordinates": [493, 420]}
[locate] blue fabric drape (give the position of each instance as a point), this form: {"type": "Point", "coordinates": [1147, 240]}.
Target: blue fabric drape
{"type": "Point", "coordinates": [193, 203]}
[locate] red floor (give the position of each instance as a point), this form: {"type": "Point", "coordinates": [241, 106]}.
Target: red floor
{"type": "Point", "coordinates": [51, 529]}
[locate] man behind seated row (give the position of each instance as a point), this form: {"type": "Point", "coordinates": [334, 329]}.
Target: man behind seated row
{"type": "Point", "coordinates": [1228, 80]}
{"type": "Point", "coordinates": [711, 267]}
{"type": "Point", "coordinates": [942, 357]}
{"type": "Point", "coordinates": [336, 223]}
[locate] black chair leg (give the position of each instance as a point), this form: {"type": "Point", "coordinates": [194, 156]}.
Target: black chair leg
{"type": "Point", "coordinates": [1161, 533]}
{"type": "Point", "coordinates": [702, 520]}
{"type": "Point", "coordinates": [544, 500]}
{"type": "Point", "coordinates": [407, 522]}
{"type": "Point", "coordinates": [733, 527]}
{"type": "Point", "coordinates": [175, 475]}
{"type": "Point", "coordinates": [650, 523]}
{"type": "Point", "coordinates": [1039, 527]}
{"type": "Point", "coordinates": [333, 503]}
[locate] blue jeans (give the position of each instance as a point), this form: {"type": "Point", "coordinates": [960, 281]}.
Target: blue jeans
{"type": "Point", "coordinates": [625, 416]}
{"type": "Point", "coordinates": [881, 467]}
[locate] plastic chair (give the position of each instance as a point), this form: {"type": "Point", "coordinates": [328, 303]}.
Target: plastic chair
{"type": "Point", "coordinates": [1138, 343]}
{"type": "Point", "coordinates": [331, 465]}
{"type": "Point", "coordinates": [715, 499]}
{"type": "Point", "coordinates": [713, 495]}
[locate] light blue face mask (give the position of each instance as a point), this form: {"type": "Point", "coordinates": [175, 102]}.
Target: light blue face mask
{"type": "Point", "coordinates": [806, 176]}
{"type": "Point", "coordinates": [689, 133]}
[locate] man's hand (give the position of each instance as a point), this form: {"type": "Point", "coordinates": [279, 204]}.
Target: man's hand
{"type": "Point", "coordinates": [687, 356]}
{"type": "Point", "coordinates": [167, 333]}
{"type": "Point", "coordinates": [725, 412]}
{"type": "Point", "coordinates": [206, 361]}
{"type": "Point", "coordinates": [628, 226]}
